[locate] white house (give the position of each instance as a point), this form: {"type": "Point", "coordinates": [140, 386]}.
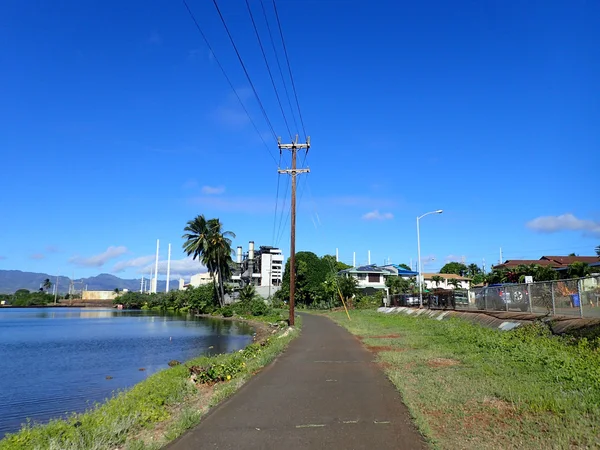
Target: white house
{"type": "Point", "coordinates": [199, 279]}
{"type": "Point", "coordinates": [463, 282]}
{"type": "Point", "coordinates": [368, 276]}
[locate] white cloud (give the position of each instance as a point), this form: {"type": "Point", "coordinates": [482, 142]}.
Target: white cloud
{"type": "Point", "coordinates": [100, 259]}
{"type": "Point", "coordinates": [213, 190]}
{"type": "Point", "coordinates": [179, 268]}
{"type": "Point", "coordinates": [553, 224]}
{"type": "Point", "coordinates": [37, 256]}
{"type": "Point", "coordinates": [376, 215]}
{"type": "Point", "coordinates": [135, 262]}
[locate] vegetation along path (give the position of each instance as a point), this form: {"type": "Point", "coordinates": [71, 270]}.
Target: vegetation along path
{"type": "Point", "coordinates": [324, 392]}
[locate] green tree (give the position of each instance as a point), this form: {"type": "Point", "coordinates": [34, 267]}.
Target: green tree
{"type": "Point", "coordinates": [472, 270]}
{"type": "Point", "coordinates": [578, 269]}
{"type": "Point", "coordinates": [398, 285]}
{"type": "Point", "coordinates": [311, 273]}
{"type": "Point", "coordinates": [405, 267]}
{"type": "Point", "coordinates": [437, 280]}
{"type": "Point", "coordinates": [598, 250]}
{"type": "Point", "coordinates": [456, 284]}
{"type": "Point", "coordinates": [455, 268]}
{"type": "Point", "coordinates": [348, 287]}
{"type": "Point", "coordinates": [206, 241]}
{"type": "Point", "coordinates": [47, 284]}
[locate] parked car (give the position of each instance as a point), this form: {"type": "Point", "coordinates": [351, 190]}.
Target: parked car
{"type": "Point", "coordinates": [503, 297]}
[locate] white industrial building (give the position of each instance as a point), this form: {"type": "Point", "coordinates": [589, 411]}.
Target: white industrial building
{"type": "Point", "coordinates": [263, 268]}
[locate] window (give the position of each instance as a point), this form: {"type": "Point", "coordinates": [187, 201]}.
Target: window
{"type": "Point", "coordinates": [374, 278]}
{"type": "Point", "coordinates": [361, 276]}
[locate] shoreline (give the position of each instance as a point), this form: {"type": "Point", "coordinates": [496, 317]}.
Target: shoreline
{"type": "Point", "coordinates": [162, 406]}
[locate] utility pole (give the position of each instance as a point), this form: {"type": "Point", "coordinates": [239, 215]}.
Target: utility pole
{"type": "Point", "coordinates": [293, 147]}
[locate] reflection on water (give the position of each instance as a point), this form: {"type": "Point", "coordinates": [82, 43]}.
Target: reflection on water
{"type": "Point", "coordinates": [56, 360]}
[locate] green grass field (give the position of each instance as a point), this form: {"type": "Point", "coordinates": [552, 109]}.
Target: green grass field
{"type": "Point", "coordinates": [471, 387]}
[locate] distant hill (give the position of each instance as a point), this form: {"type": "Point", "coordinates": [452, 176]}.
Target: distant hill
{"type": "Point", "coordinates": [13, 280]}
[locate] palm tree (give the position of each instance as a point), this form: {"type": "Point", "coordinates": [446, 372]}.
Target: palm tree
{"type": "Point", "coordinates": [598, 250]}
{"type": "Point", "coordinates": [207, 242]}
{"type": "Point", "coordinates": [247, 293]}
{"type": "Point", "coordinates": [473, 269]}
{"type": "Point", "coordinates": [437, 279]}
{"type": "Point", "coordinates": [454, 283]}
{"type": "Point", "coordinates": [47, 284]}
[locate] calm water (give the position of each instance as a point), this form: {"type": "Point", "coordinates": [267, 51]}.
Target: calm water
{"type": "Point", "coordinates": [56, 360]}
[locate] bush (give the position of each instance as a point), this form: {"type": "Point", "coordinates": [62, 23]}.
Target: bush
{"type": "Point", "coordinates": [259, 308]}
{"type": "Point", "coordinates": [226, 311]}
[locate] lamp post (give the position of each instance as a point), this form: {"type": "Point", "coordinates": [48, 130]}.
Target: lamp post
{"type": "Point", "coordinates": [439, 211]}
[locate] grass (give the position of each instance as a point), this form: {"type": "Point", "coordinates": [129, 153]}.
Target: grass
{"type": "Point", "coordinates": [152, 413]}
{"type": "Point", "coordinates": [471, 387]}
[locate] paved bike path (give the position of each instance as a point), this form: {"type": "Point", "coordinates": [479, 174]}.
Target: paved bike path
{"type": "Point", "coordinates": [325, 391]}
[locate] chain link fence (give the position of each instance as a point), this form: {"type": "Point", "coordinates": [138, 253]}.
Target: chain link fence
{"type": "Point", "coordinates": [579, 297]}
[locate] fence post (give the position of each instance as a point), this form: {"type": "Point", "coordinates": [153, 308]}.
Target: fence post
{"type": "Point", "coordinates": [580, 298]}
{"type": "Point", "coordinates": [529, 297]}
{"type": "Point", "coordinates": [553, 301]}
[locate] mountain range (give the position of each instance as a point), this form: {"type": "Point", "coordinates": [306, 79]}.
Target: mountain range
{"type": "Point", "coordinates": [12, 280]}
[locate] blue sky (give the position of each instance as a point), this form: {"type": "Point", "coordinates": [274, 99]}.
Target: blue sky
{"type": "Point", "coordinates": [118, 127]}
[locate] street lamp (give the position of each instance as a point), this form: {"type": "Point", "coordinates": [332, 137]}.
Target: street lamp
{"type": "Point", "coordinates": [439, 211]}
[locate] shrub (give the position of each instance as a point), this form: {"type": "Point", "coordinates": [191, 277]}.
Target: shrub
{"type": "Point", "coordinates": [227, 311]}
{"type": "Point", "coordinates": [258, 307]}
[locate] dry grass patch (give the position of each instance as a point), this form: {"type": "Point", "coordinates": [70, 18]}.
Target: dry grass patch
{"type": "Point", "coordinates": [384, 348]}
{"type": "Point", "coordinates": [442, 362]}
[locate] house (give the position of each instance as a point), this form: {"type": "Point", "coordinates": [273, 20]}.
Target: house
{"type": "Point", "coordinates": [369, 276]}
{"type": "Point", "coordinates": [463, 282]}
{"type": "Point", "coordinates": [400, 271]}
{"type": "Point", "coordinates": [556, 262]}
{"type": "Point", "coordinates": [200, 279]}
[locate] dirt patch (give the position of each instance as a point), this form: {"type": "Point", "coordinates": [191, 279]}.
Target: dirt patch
{"type": "Point", "coordinates": [442, 362]}
{"type": "Point", "coordinates": [384, 348]}
{"type": "Point", "coordinates": [383, 336]}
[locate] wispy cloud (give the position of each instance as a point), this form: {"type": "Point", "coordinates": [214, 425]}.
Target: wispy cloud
{"type": "Point", "coordinates": [455, 258]}
{"type": "Point", "coordinates": [135, 262]}
{"type": "Point", "coordinates": [100, 259]}
{"type": "Point", "coordinates": [52, 249]}
{"type": "Point", "coordinates": [2, 257]}
{"type": "Point", "coordinates": [564, 222]}
{"type": "Point", "coordinates": [376, 215]}
{"type": "Point", "coordinates": [37, 256]}
{"type": "Point", "coordinates": [213, 190]}
{"type": "Point", "coordinates": [179, 268]}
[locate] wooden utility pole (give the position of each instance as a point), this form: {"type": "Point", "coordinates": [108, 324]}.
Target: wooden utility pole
{"type": "Point", "coordinates": [293, 147]}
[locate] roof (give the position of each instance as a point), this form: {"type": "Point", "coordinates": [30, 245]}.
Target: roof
{"type": "Point", "coordinates": [446, 276]}
{"type": "Point", "coordinates": [557, 262]}
{"type": "Point", "coordinates": [401, 271]}
{"type": "Point", "coordinates": [525, 262]}
{"type": "Point", "coordinates": [367, 269]}
{"type": "Point", "coordinates": [566, 260]}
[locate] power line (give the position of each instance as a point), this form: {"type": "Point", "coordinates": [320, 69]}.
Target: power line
{"type": "Point", "coordinates": [289, 68]}
{"type": "Point", "coordinates": [268, 67]}
{"type": "Point", "coordinates": [287, 94]}
{"type": "Point", "coordinates": [228, 79]}
{"type": "Point", "coordinates": [245, 70]}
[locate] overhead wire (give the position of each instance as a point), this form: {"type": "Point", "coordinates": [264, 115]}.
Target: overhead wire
{"type": "Point", "coordinates": [228, 79]}
{"type": "Point", "coordinates": [287, 94]}
{"type": "Point", "coordinates": [268, 67]}
{"type": "Point", "coordinates": [245, 69]}
{"type": "Point", "coordinates": [289, 68]}
{"type": "Point", "coordinates": [276, 203]}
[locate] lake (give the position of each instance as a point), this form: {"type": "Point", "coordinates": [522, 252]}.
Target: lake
{"type": "Point", "coordinates": [55, 361]}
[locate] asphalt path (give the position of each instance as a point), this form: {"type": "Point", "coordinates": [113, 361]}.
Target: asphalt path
{"type": "Point", "coordinates": [325, 391]}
